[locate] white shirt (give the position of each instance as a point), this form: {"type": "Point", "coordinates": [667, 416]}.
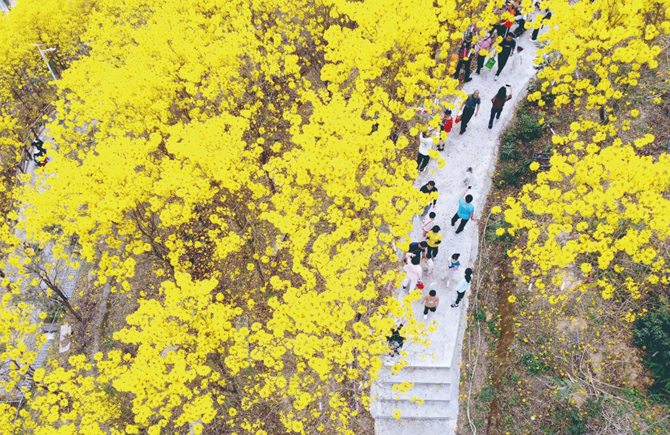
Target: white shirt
{"type": "Point", "coordinates": [463, 285]}
{"type": "Point", "coordinates": [425, 144]}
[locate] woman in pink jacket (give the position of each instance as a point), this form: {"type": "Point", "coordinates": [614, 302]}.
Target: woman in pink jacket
{"type": "Point", "coordinates": [413, 270]}
{"type": "Point", "coordinates": [482, 45]}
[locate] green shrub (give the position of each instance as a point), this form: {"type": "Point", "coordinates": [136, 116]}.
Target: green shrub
{"type": "Point", "coordinates": [508, 149]}
{"type": "Point", "coordinates": [651, 333]}
{"type": "Point", "coordinates": [514, 174]}
{"type": "Point", "coordinates": [535, 365]}
{"type": "Point", "coordinates": [571, 420]}
{"type": "Point", "coordinates": [527, 126]}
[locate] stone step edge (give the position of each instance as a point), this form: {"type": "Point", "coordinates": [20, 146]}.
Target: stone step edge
{"type": "Point", "coordinates": [421, 366]}
{"type": "Point", "coordinates": [417, 382]}
{"type": "Point", "coordinates": [393, 400]}
{"type": "Point", "coordinates": [390, 417]}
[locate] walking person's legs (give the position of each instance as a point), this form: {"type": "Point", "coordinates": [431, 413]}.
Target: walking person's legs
{"type": "Point", "coordinates": [432, 252]}
{"type": "Point", "coordinates": [495, 113]}
{"type": "Point", "coordinates": [459, 297]}
{"type": "Point", "coordinates": [447, 275]}
{"type": "Point", "coordinates": [458, 69]}
{"type": "Point", "coordinates": [427, 309]}
{"type": "Point", "coordinates": [534, 35]}
{"type": "Point", "coordinates": [465, 118]}
{"type": "Point", "coordinates": [480, 63]}
{"type": "Point", "coordinates": [408, 284]}
{"type": "Point", "coordinates": [502, 61]}
{"type": "Point", "coordinates": [466, 65]}
{"type": "Point", "coordinates": [422, 161]}
{"type": "Point", "coordinates": [454, 219]}
{"type": "Point", "coordinates": [426, 209]}
{"type": "Point", "coordinates": [461, 225]}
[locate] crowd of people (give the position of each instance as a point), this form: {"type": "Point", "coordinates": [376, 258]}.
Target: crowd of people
{"type": "Point", "coordinates": [503, 33]}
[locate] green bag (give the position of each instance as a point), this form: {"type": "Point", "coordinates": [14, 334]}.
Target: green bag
{"type": "Point", "coordinates": [489, 63]}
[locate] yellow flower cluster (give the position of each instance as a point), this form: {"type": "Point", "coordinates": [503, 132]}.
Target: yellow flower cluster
{"type": "Point", "coordinates": [595, 50]}
{"type": "Point", "coordinates": [593, 210]}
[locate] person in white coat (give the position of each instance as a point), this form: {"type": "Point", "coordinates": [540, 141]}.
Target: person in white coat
{"type": "Point", "coordinates": [425, 144]}
{"type": "Point", "coordinates": [413, 270]}
{"type": "Point", "coordinates": [463, 286]}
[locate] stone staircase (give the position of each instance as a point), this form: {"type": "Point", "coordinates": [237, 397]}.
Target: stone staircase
{"type": "Point", "coordinates": [431, 374]}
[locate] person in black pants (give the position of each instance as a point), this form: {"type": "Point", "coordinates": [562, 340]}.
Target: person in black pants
{"type": "Point", "coordinates": [536, 31]}
{"type": "Point", "coordinates": [470, 104]}
{"type": "Point", "coordinates": [428, 189]}
{"type": "Point", "coordinates": [40, 151]}
{"type": "Point", "coordinates": [396, 340]}
{"type": "Point", "coordinates": [464, 58]}
{"type": "Point", "coordinates": [507, 46]}
{"type": "Point", "coordinates": [498, 102]}
{"type": "Point", "coordinates": [466, 211]}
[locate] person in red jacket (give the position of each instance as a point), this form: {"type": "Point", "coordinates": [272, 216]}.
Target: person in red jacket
{"type": "Point", "coordinates": [447, 125]}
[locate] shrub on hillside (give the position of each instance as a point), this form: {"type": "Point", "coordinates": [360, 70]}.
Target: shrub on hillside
{"type": "Point", "coordinates": [651, 333]}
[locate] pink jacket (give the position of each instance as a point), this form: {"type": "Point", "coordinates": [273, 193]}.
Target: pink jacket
{"type": "Point", "coordinates": [414, 271]}
{"type": "Point", "coordinates": [485, 44]}
{"type": "Point", "coordinates": [428, 225]}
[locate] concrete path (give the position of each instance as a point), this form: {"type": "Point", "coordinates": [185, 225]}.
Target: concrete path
{"type": "Point", "coordinates": [435, 370]}
{"type": "Point", "coordinates": [64, 271]}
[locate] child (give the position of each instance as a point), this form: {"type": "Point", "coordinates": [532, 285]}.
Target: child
{"type": "Point", "coordinates": [429, 266]}
{"type": "Point", "coordinates": [517, 60]}
{"type": "Point", "coordinates": [428, 223]}
{"type": "Point", "coordinates": [463, 286]}
{"type": "Point", "coordinates": [447, 125]}
{"type": "Point", "coordinates": [434, 239]}
{"type": "Point", "coordinates": [451, 267]}
{"type": "Point", "coordinates": [430, 302]}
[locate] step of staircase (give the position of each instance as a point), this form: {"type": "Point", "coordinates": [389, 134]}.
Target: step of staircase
{"type": "Point", "coordinates": [429, 410]}
{"type": "Point", "coordinates": [385, 426]}
{"type": "Point", "coordinates": [437, 392]}
{"type": "Point", "coordinates": [417, 375]}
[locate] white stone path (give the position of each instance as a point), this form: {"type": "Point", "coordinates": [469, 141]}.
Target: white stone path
{"type": "Point", "coordinates": [63, 272]}
{"type": "Point", "coordinates": [435, 370]}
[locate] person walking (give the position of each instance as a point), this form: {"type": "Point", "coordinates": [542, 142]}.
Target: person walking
{"type": "Point", "coordinates": [545, 20]}
{"type": "Point", "coordinates": [425, 144]}
{"type": "Point", "coordinates": [396, 340]}
{"type": "Point", "coordinates": [452, 267]}
{"type": "Point", "coordinates": [429, 189]}
{"type": "Point", "coordinates": [471, 103]}
{"type": "Point", "coordinates": [447, 125]}
{"type": "Point", "coordinates": [482, 49]}
{"type": "Point", "coordinates": [464, 58]}
{"type": "Point", "coordinates": [430, 303]}
{"type": "Point", "coordinates": [462, 287]}
{"type": "Point", "coordinates": [466, 211]}
{"type": "Point", "coordinates": [434, 239]}
{"type": "Point", "coordinates": [416, 248]}
{"type": "Point", "coordinates": [428, 223]}
{"type": "Point", "coordinates": [518, 58]}
{"type": "Point", "coordinates": [413, 270]}
{"type": "Point", "coordinates": [498, 102]}
{"type": "Point", "coordinates": [507, 46]}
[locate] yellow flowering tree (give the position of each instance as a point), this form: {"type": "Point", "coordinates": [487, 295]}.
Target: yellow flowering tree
{"type": "Point", "coordinates": [241, 153]}
{"type": "Point", "coordinates": [594, 51]}
{"type": "Point", "coordinates": [599, 209]}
